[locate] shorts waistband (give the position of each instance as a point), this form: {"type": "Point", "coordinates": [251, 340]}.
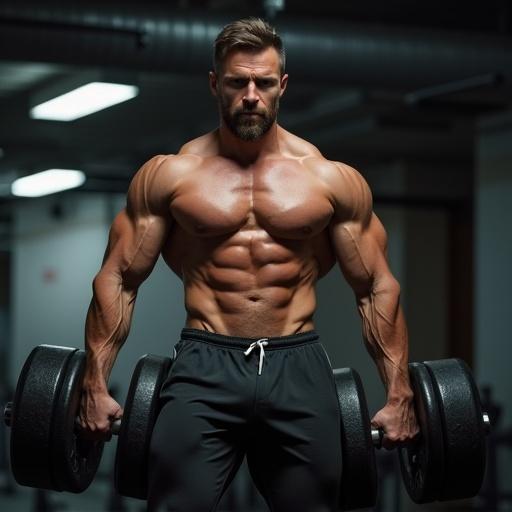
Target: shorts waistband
{"type": "Point", "coordinates": [274, 342]}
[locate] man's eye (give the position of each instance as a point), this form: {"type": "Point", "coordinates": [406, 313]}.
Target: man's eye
{"type": "Point", "coordinates": [237, 82]}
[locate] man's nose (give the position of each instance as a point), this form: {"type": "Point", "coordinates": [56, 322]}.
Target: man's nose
{"type": "Point", "coordinates": [251, 96]}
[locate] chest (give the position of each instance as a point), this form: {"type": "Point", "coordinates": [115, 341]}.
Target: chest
{"type": "Point", "coordinates": [284, 200]}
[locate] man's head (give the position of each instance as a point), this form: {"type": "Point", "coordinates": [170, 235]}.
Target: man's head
{"type": "Point", "coordinates": [249, 76]}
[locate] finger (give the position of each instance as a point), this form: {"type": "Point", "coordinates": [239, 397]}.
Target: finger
{"type": "Point", "coordinates": [115, 417]}
{"type": "Point", "coordinates": [80, 423]}
{"type": "Point", "coordinates": [376, 424]}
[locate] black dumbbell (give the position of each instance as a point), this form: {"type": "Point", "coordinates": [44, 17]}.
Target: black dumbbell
{"type": "Point", "coordinates": [446, 461]}
{"type": "Point", "coordinates": [47, 451]}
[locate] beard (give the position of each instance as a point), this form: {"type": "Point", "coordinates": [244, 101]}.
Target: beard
{"type": "Point", "coordinates": [245, 127]}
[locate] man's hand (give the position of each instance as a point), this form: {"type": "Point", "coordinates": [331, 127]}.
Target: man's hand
{"type": "Point", "coordinates": [399, 423]}
{"type": "Point", "coordinates": [98, 410]}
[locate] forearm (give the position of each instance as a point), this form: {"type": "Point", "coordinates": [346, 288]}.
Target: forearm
{"type": "Point", "coordinates": [385, 335]}
{"type": "Point", "coordinates": [107, 326]}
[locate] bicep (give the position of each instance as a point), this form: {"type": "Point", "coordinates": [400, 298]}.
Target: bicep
{"type": "Point", "coordinates": [139, 231]}
{"type": "Point", "coordinates": [361, 253]}
{"type": "Point", "coordinates": [135, 242]}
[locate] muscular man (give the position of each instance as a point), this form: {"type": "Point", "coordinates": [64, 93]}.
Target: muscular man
{"type": "Point", "coordinates": [249, 216]}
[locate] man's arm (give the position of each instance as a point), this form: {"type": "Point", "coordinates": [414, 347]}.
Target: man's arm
{"type": "Point", "coordinates": [135, 241]}
{"type": "Point", "coordinates": [359, 241]}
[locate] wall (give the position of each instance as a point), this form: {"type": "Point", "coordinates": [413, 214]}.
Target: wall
{"type": "Point", "coordinates": [493, 252]}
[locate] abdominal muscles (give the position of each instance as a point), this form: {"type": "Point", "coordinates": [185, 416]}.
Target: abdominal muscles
{"type": "Point", "coordinates": [249, 284]}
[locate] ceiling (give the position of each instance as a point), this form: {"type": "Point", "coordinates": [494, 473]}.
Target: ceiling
{"type": "Point", "coordinates": [362, 126]}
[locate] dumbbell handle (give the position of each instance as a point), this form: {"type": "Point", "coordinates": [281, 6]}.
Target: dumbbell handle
{"type": "Point", "coordinates": [377, 436]}
{"type": "Point", "coordinates": [115, 427]}
{"type": "Point", "coordinates": [378, 433]}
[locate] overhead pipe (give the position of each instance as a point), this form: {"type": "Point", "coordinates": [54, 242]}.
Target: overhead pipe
{"type": "Point", "coordinates": [318, 50]}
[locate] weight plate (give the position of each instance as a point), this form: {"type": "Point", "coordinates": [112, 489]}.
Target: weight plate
{"type": "Point", "coordinates": [139, 416]}
{"type": "Point", "coordinates": [359, 475]}
{"type": "Point", "coordinates": [463, 428]}
{"type": "Point", "coordinates": [422, 462]}
{"type": "Point", "coordinates": [36, 395]}
{"type": "Point", "coordinates": [74, 460]}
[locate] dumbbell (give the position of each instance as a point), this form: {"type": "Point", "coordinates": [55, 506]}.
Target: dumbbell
{"type": "Point", "coordinates": [445, 462]}
{"type": "Point", "coordinates": [47, 451]}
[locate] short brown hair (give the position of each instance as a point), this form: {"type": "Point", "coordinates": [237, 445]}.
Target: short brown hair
{"type": "Point", "coordinates": [253, 34]}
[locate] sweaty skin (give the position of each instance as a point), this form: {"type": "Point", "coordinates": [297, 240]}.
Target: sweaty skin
{"type": "Point", "coordinates": [249, 226]}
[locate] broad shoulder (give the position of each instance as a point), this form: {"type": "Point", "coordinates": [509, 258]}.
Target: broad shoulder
{"type": "Point", "coordinates": [163, 171]}
{"type": "Point", "coordinates": [154, 184]}
{"type": "Point", "coordinates": [347, 189]}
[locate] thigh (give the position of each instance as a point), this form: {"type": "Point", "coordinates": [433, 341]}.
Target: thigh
{"type": "Point", "coordinates": [295, 453]}
{"type": "Point", "coordinates": [197, 443]}
{"type": "Point", "coordinates": [190, 464]}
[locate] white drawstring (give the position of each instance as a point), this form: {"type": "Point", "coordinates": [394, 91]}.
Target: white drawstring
{"type": "Point", "coordinates": [260, 343]}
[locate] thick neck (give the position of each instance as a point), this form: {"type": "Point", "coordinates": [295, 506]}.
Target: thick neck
{"type": "Point", "coordinates": [247, 152]}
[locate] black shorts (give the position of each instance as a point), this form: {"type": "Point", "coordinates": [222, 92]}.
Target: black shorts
{"type": "Point", "coordinates": [272, 400]}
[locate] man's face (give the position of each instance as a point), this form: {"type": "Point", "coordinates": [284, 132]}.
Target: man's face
{"type": "Point", "coordinates": [248, 88]}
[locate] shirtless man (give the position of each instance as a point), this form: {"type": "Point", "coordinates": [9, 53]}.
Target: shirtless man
{"type": "Point", "coordinates": [249, 216]}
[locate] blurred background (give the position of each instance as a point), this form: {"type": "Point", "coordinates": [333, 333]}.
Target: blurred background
{"type": "Point", "coordinates": [416, 95]}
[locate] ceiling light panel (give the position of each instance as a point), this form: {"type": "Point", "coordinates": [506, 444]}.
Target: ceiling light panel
{"type": "Point", "coordinates": [83, 101]}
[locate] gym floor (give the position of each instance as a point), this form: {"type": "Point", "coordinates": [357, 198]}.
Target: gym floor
{"type": "Point", "coordinates": [241, 496]}
{"type": "Point", "coordinates": [94, 500]}
{"type": "Point", "coordinates": [99, 497]}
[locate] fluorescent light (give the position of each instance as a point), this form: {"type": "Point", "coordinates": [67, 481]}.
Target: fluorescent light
{"type": "Point", "coordinates": [47, 182]}
{"type": "Point", "coordinates": [83, 101]}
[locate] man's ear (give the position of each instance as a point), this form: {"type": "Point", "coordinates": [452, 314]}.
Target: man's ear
{"type": "Point", "coordinates": [212, 78]}
{"type": "Point", "coordinates": [283, 84]}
